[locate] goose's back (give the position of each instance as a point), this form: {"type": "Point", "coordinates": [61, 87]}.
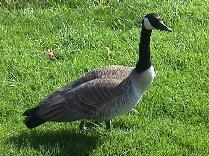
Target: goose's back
{"type": "Point", "coordinates": [108, 72]}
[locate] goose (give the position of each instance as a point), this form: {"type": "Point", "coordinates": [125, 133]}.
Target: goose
{"type": "Point", "coordinates": [104, 93]}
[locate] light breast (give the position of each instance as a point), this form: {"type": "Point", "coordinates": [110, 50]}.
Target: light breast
{"type": "Point", "coordinates": [145, 79]}
{"type": "Point", "coordinates": [132, 93]}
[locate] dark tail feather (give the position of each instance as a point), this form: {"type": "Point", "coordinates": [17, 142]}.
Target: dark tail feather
{"type": "Point", "coordinates": [32, 120]}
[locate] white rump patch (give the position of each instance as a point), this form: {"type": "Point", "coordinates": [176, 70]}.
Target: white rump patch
{"type": "Point", "coordinates": [147, 24]}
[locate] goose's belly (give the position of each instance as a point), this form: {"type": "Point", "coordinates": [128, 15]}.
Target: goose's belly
{"type": "Point", "coordinates": [126, 104]}
{"type": "Point", "coordinates": [120, 105]}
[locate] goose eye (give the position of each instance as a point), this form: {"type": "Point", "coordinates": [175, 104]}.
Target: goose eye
{"type": "Point", "coordinates": [155, 22]}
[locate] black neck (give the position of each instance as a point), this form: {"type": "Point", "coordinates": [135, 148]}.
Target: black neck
{"type": "Point", "coordinates": [144, 61]}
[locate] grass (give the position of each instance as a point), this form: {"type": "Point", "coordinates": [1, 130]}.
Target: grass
{"type": "Point", "coordinates": [173, 116]}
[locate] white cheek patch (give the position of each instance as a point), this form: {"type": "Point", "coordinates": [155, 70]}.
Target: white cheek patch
{"type": "Point", "coordinates": [147, 24]}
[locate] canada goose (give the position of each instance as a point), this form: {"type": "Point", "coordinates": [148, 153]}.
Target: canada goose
{"type": "Point", "coordinates": [104, 93]}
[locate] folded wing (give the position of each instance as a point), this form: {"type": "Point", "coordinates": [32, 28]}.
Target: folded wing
{"type": "Point", "coordinates": [85, 101]}
{"type": "Point", "coordinates": [109, 72]}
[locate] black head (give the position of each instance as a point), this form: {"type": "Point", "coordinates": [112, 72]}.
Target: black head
{"type": "Point", "coordinates": [153, 21]}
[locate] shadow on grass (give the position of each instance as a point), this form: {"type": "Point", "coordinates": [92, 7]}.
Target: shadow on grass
{"type": "Point", "coordinates": [56, 142]}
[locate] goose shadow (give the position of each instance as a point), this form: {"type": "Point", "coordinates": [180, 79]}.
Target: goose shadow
{"type": "Point", "coordinates": [56, 142]}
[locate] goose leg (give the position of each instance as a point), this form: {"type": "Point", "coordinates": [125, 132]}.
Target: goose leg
{"type": "Point", "coordinates": [88, 125]}
{"type": "Point", "coordinates": [108, 124]}
{"type": "Point", "coordinates": [82, 126]}
{"type": "Point", "coordinates": [96, 124]}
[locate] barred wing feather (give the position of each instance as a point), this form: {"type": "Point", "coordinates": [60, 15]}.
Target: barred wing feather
{"type": "Point", "coordinates": [82, 102]}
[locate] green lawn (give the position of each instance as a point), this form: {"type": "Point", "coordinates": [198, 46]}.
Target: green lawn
{"type": "Point", "coordinates": [173, 116]}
